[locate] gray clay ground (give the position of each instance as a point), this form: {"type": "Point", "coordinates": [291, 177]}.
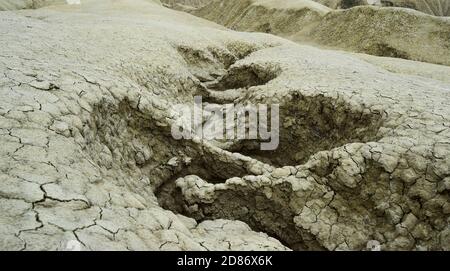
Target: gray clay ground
{"type": "Point", "coordinates": [86, 153]}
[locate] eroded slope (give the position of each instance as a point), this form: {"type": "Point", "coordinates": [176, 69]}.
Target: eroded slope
{"type": "Point", "coordinates": [432, 7]}
{"type": "Point", "coordinates": [391, 32]}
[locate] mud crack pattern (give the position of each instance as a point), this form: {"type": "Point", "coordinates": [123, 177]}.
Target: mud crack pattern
{"type": "Point", "coordinates": [87, 155]}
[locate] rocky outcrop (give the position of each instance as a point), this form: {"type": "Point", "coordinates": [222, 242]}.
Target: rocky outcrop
{"type": "Point", "coordinates": [88, 156]}
{"type": "Point", "coordinates": [390, 32]}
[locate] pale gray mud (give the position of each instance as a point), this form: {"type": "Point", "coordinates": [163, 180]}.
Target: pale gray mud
{"type": "Point", "coordinates": [87, 94]}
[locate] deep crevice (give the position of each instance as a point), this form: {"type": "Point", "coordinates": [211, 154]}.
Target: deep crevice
{"type": "Point", "coordinates": [309, 124]}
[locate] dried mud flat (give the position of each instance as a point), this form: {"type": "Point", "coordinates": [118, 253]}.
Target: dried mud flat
{"type": "Point", "coordinates": [87, 153]}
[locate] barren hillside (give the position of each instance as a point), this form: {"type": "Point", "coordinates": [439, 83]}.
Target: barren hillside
{"type": "Point", "coordinates": [432, 7]}
{"type": "Point", "coordinates": [392, 32]}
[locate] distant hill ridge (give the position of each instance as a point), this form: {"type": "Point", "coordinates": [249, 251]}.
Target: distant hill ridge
{"type": "Point", "coordinates": [392, 32]}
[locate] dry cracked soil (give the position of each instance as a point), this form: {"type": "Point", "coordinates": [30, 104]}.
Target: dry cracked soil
{"type": "Point", "coordinates": [86, 109]}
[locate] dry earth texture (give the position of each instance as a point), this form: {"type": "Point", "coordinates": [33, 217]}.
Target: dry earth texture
{"type": "Point", "coordinates": [432, 7]}
{"type": "Point", "coordinates": [337, 4]}
{"type": "Point", "coordinates": [188, 3]}
{"type": "Point", "coordinates": [392, 32]}
{"type": "Point", "coordinates": [86, 96]}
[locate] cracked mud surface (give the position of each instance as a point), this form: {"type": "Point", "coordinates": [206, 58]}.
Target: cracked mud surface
{"type": "Point", "coordinates": [85, 116]}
